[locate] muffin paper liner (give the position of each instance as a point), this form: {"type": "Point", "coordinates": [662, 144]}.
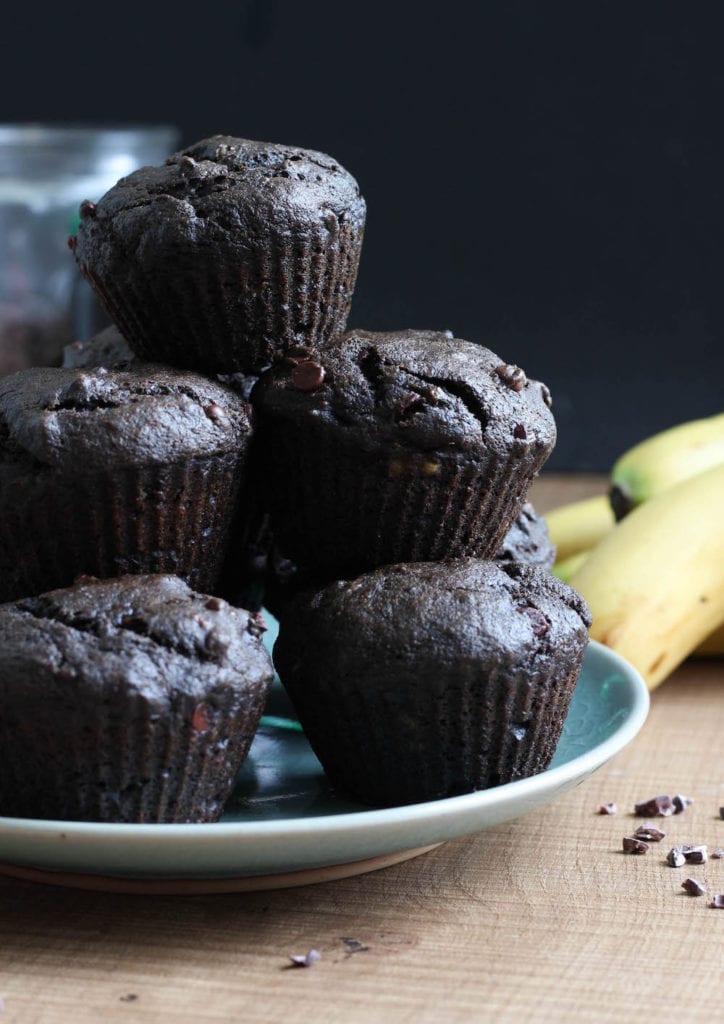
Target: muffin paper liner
{"type": "Point", "coordinates": [123, 758]}
{"type": "Point", "coordinates": [158, 519]}
{"type": "Point", "coordinates": [434, 737]}
{"type": "Point", "coordinates": [336, 511]}
{"type": "Point", "coordinates": [216, 315]}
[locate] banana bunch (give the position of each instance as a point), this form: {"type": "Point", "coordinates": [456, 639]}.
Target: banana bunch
{"type": "Point", "coordinates": [655, 579]}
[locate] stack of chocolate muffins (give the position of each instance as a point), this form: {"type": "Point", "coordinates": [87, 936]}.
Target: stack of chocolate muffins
{"type": "Point", "coordinates": [228, 437]}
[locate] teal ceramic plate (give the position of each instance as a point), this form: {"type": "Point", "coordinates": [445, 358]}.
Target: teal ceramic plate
{"type": "Point", "coordinates": [285, 826]}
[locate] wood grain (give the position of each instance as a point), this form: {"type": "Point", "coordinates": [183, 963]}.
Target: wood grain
{"type": "Point", "coordinates": [540, 919]}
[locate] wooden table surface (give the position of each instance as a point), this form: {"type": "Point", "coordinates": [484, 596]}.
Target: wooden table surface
{"type": "Point", "coordinates": [539, 919]}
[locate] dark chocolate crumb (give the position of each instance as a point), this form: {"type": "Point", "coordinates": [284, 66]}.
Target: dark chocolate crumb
{"type": "Point", "coordinates": [87, 209]}
{"type": "Point", "coordinates": [718, 902]}
{"type": "Point", "coordinates": [656, 807]}
{"type": "Point", "coordinates": [213, 604]}
{"type": "Point", "coordinates": [681, 803]}
{"type": "Point", "coordinates": [312, 957]}
{"type": "Point", "coordinates": [693, 887]}
{"type": "Point", "coordinates": [721, 813]}
{"type": "Point", "coordinates": [72, 242]}
{"type": "Point", "coordinates": [608, 809]}
{"type": "Point", "coordinates": [355, 946]}
{"type": "Point", "coordinates": [632, 845]}
{"type": "Point", "coordinates": [675, 857]}
{"type": "Point", "coordinates": [650, 833]}
{"type": "Point", "coordinates": [130, 998]}
{"type": "Point", "coordinates": [520, 432]}
{"type": "Point", "coordinates": [695, 854]}
{"type": "Point", "coordinates": [308, 375]}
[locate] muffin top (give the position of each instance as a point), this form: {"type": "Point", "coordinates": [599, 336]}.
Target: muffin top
{"type": "Point", "coordinates": [424, 390]}
{"type": "Point", "coordinates": [221, 189]}
{"type": "Point", "coordinates": [153, 634]}
{"type": "Point", "coordinates": [134, 415]}
{"type": "Point", "coordinates": [110, 349]}
{"type": "Point", "coordinates": [425, 614]}
{"type": "Point", "coordinates": [107, 348]}
{"type": "Point", "coordinates": [528, 541]}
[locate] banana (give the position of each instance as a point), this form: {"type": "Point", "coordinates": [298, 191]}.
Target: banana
{"type": "Point", "coordinates": [655, 584]}
{"type": "Point", "coordinates": [565, 568]}
{"type": "Point", "coordinates": [579, 525]}
{"type": "Point", "coordinates": [713, 646]}
{"type": "Point", "coordinates": [663, 460]}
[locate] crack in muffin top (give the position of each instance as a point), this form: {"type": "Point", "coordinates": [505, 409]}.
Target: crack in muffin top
{"type": "Point", "coordinates": [423, 390]}
{"type": "Point", "coordinates": [153, 631]}
{"type": "Point", "coordinates": [91, 419]}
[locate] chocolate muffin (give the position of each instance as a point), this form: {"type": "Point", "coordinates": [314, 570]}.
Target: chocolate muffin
{"type": "Point", "coordinates": [107, 348]}
{"type": "Point", "coordinates": [131, 699]}
{"type": "Point", "coordinates": [229, 254]}
{"type": "Point", "coordinates": [273, 580]}
{"type": "Point", "coordinates": [110, 349]}
{"type": "Point", "coordinates": [406, 446]}
{"type": "Point", "coordinates": [106, 472]}
{"type": "Point", "coordinates": [527, 541]}
{"type": "Point", "coordinates": [423, 681]}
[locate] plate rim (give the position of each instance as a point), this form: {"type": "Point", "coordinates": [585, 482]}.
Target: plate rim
{"type": "Point", "coordinates": [363, 821]}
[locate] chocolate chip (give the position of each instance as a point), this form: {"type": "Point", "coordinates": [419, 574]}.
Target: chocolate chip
{"type": "Point", "coordinates": [201, 718]}
{"type": "Point", "coordinates": [216, 412]}
{"type": "Point", "coordinates": [681, 803]}
{"type": "Point", "coordinates": [717, 903]}
{"type": "Point", "coordinates": [538, 621]}
{"type": "Point", "coordinates": [608, 809]}
{"type": "Point", "coordinates": [721, 813]}
{"type": "Point", "coordinates": [520, 432]}
{"type": "Point", "coordinates": [72, 242]}
{"type": "Point", "coordinates": [656, 807]}
{"type": "Point", "coordinates": [256, 624]}
{"type": "Point", "coordinates": [545, 392]}
{"type": "Point", "coordinates": [87, 209]}
{"type": "Point", "coordinates": [512, 376]}
{"type": "Point", "coordinates": [633, 845]}
{"type": "Point", "coordinates": [693, 887]}
{"type": "Point", "coordinates": [213, 604]}
{"type": "Point", "coordinates": [308, 375]}
{"type": "Point", "coordinates": [650, 833]}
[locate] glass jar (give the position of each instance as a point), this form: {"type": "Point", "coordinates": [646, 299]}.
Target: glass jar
{"type": "Point", "coordinates": [45, 173]}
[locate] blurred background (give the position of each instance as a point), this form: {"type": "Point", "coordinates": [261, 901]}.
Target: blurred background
{"type": "Point", "coordinates": [545, 178]}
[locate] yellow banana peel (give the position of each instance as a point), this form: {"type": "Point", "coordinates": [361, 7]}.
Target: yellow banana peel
{"type": "Point", "coordinates": [655, 583]}
{"type": "Point", "coordinates": [579, 525]}
{"type": "Point", "coordinates": [664, 459]}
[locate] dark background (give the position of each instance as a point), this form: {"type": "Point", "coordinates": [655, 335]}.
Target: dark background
{"type": "Point", "coordinates": [546, 178]}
